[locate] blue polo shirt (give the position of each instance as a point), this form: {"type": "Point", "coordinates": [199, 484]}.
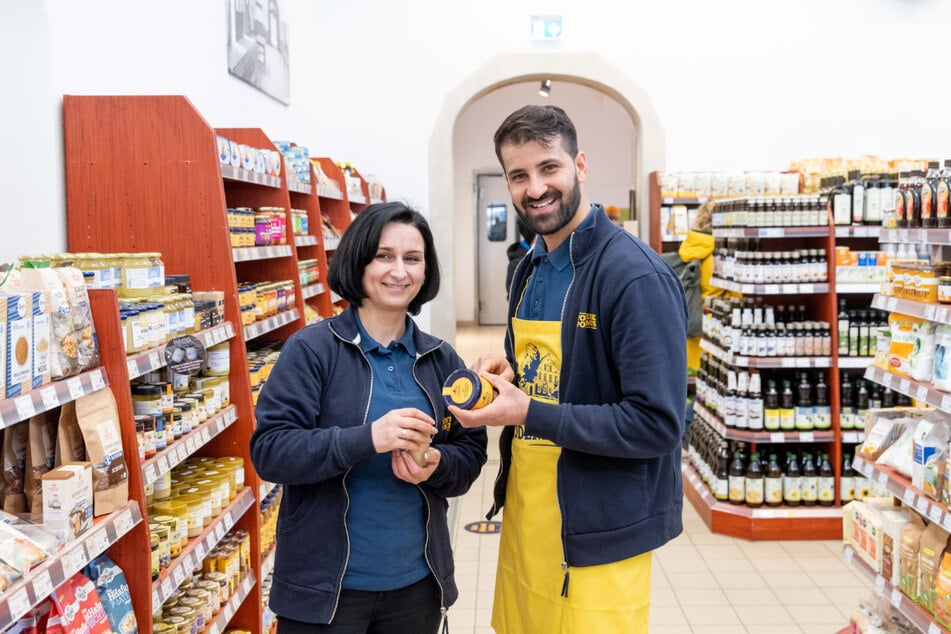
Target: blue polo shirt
{"type": "Point", "coordinates": [548, 284]}
{"type": "Point", "coordinates": [386, 520]}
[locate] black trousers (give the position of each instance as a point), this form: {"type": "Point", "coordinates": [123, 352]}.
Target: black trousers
{"type": "Point", "coordinates": [410, 610]}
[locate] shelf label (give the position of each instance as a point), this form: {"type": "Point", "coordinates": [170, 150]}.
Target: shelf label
{"type": "Point", "coordinates": [214, 628]}
{"type": "Point", "coordinates": [167, 588]}
{"type": "Point", "coordinates": [807, 436]}
{"type": "Point", "coordinates": [909, 497]}
{"type": "Point", "coordinates": [896, 597]}
{"type": "Point", "coordinates": [922, 393]}
{"type": "Point", "coordinates": [19, 603]}
{"type": "Point", "coordinates": [187, 562]}
{"type": "Point", "coordinates": [200, 551]}
{"type": "Point", "coordinates": [74, 561]}
{"type": "Point", "coordinates": [219, 531]}
{"type": "Point", "coordinates": [848, 553]}
{"type": "Point", "coordinates": [772, 289]}
{"type": "Point", "coordinates": [162, 464]}
{"type": "Point", "coordinates": [25, 407]}
{"type": "Point", "coordinates": [850, 437]}
{"type": "Point", "coordinates": [96, 544]}
{"type": "Point", "coordinates": [933, 628]}
{"type": "Point", "coordinates": [936, 514]}
{"type": "Point", "coordinates": [190, 445]}
{"type": "Point", "coordinates": [50, 399]}
{"type": "Point", "coordinates": [777, 437]}
{"type": "Point", "coordinates": [123, 523]}
{"type": "Point", "coordinates": [878, 302]}
{"type": "Point", "coordinates": [806, 288]}
{"type": "Point", "coordinates": [133, 368]}
{"type": "Point", "coordinates": [156, 600]}
{"type": "Point", "coordinates": [946, 402]}
{"type": "Point", "coordinates": [891, 304]}
{"type": "Point", "coordinates": [930, 311]}
{"type": "Point", "coordinates": [802, 362]}
{"type": "Point", "coordinates": [178, 573]}
{"type": "Point", "coordinates": [229, 521]}
{"type": "Point", "coordinates": [880, 582]}
{"type": "Point", "coordinates": [154, 360]}
{"type": "Point", "coordinates": [205, 435]}
{"type": "Point", "coordinates": [859, 462]}
{"type": "Point", "coordinates": [42, 585]}
{"type": "Point", "coordinates": [883, 480]}
{"type": "Point", "coordinates": [96, 379]}
{"type": "Point", "coordinates": [150, 474]}
{"type": "Point", "coordinates": [904, 386]}
{"type": "Point", "coordinates": [886, 378]}
{"type": "Point", "coordinates": [922, 506]}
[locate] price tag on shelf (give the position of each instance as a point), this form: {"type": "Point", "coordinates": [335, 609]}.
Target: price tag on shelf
{"type": "Point", "coordinates": [747, 289]}
{"type": "Point", "coordinates": [787, 362]}
{"type": "Point", "coordinates": [205, 435]}
{"type": "Point", "coordinates": [880, 582]}
{"type": "Point", "coordinates": [42, 585]}
{"type": "Point", "coordinates": [178, 574]}
{"type": "Point", "coordinates": [124, 522]}
{"type": "Point", "coordinates": [156, 599]}
{"type": "Point", "coordinates": [214, 629]}
{"type": "Point", "coordinates": [807, 436]}
{"type": "Point", "coordinates": [149, 473]}
{"type": "Point", "coordinates": [935, 514]}
{"type": "Point", "coordinates": [933, 628]}
{"type": "Point", "coordinates": [790, 289]}
{"type": "Point", "coordinates": [247, 585]}
{"type": "Point", "coordinates": [73, 561]}
{"type": "Point", "coordinates": [50, 399]}
{"type": "Point", "coordinates": [909, 497]}
{"type": "Point", "coordinates": [772, 289]}
{"type": "Point", "coordinates": [859, 462]}
{"type": "Point", "coordinates": [922, 393]}
{"type": "Point", "coordinates": [133, 368]}
{"type": "Point", "coordinates": [946, 402]}
{"type": "Point", "coordinates": [19, 603]}
{"type": "Point", "coordinates": [883, 480]}
{"type": "Point", "coordinates": [96, 544]}
{"type": "Point", "coordinates": [25, 407]}
{"type": "Point", "coordinates": [930, 311]}
{"type": "Point", "coordinates": [220, 425]}
{"type": "Point", "coordinates": [802, 362]}
{"type": "Point", "coordinates": [167, 587]}
{"type": "Point", "coordinates": [75, 387]}
{"type": "Point", "coordinates": [946, 522]}
{"type": "Point", "coordinates": [229, 611]}
{"type": "Point", "coordinates": [922, 506]}
{"type": "Point", "coordinates": [777, 437]}
{"type": "Point", "coordinates": [200, 551]}
{"type": "Point", "coordinates": [229, 521]}
{"type": "Point", "coordinates": [891, 304]}
{"type": "Point", "coordinates": [190, 445]}
{"type": "Point", "coordinates": [96, 379]}
{"type": "Point", "coordinates": [904, 386]}
{"type": "Point", "coordinates": [229, 329]}
{"type": "Point", "coordinates": [896, 597]}
{"type": "Point", "coordinates": [219, 531]}
{"type": "Point", "coordinates": [154, 360]}
{"type": "Point", "coordinates": [162, 464]}
{"type": "Point", "coordinates": [806, 288]}
{"type": "Point", "coordinates": [848, 553]}
{"type": "Point", "coordinates": [878, 302]}
{"type": "Point", "coordinates": [903, 235]}
{"type": "Point", "coordinates": [850, 437]}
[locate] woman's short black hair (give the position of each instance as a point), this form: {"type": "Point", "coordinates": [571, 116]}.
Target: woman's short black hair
{"type": "Point", "coordinates": [358, 247]}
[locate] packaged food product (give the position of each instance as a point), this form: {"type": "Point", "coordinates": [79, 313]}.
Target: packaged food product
{"type": "Point", "coordinates": [114, 593]}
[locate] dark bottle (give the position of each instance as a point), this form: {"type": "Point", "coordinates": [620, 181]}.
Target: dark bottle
{"type": "Point", "coordinates": [810, 481]}
{"type": "Point", "coordinates": [847, 482]}
{"type": "Point", "coordinates": [901, 200]}
{"type": "Point", "coordinates": [942, 190]}
{"type": "Point", "coordinates": [804, 407]}
{"type": "Point", "coordinates": [754, 482]}
{"type": "Point", "coordinates": [737, 479]}
{"type": "Point", "coordinates": [787, 411]}
{"type": "Point", "coordinates": [861, 404]}
{"type": "Point", "coordinates": [821, 411]}
{"type": "Point", "coordinates": [792, 483]}
{"type": "Point", "coordinates": [826, 482]}
{"type": "Point", "coordinates": [929, 196]}
{"type": "Point", "coordinates": [875, 397]}
{"type": "Point", "coordinates": [846, 408]}
{"type": "Point", "coordinates": [771, 407]}
{"type": "Point", "coordinates": [865, 334]}
{"type": "Point", "coordinates": [722, 490]}
{"type": "Point", "coordinates": [888, 398]}
{"type": "Point", "coordinates": [842, 323]}
{"type": "Point", "coordinates": [773, 485]}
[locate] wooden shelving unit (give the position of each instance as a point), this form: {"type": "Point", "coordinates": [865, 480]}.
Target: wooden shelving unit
{"type": "Point", "coordinates": [142, 174]}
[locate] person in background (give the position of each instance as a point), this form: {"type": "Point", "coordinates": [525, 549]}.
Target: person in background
{"type": "Point", "coordinates": [517, 251]}
{"type": "Point", "coordinates": [591, 392]}
{"type": "Point", "coordinates": [698, 245]}
{"type": "Point", "coordinates": [363, 535]}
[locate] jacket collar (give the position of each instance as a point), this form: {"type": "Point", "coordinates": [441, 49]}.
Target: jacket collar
{"type": "Point", "coordinates": [345, 327]}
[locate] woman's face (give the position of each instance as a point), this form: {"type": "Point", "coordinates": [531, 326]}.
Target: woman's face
{"type": "Point", "coordinates": [396, 273]}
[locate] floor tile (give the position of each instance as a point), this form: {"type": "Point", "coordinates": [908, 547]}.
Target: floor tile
{"type": "Point", "coordinates": [699, 616]}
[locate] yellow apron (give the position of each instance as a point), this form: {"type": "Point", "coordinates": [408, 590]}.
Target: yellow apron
{"type": "Point", "coordinates": [612, 597]}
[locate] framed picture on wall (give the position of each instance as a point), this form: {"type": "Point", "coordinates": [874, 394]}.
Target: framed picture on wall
{"type": "Point", "coordinates": [257, 46]}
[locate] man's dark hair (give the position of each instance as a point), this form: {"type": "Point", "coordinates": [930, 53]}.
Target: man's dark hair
{"type": "Point", "coordinates": [358, 246]}
{"type": "Point", "coordinates": [542, 124]}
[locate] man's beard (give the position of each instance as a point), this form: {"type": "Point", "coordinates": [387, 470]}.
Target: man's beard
{"type": "Point", "coordinates": [567, 207]}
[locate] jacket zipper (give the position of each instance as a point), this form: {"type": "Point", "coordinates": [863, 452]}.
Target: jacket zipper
{"type": "Point", "coordinates": [564, 305]}
{"type": "Point", "coordinates": [346, 532]}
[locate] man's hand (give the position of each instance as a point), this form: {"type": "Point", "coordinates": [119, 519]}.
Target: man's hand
{"type": "Point", "coordinates": [510, 406]}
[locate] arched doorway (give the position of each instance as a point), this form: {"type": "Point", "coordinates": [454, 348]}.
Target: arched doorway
{"type": "Point", "coordinates": [587, 69]}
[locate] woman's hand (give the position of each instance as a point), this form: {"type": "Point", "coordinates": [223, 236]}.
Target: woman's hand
{"type": "Point", "coordinates": [402, 429]}
{"type": "Point", "coordinates": [406, 469]}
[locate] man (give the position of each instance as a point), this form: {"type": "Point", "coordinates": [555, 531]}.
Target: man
{"type": "Point", "coordinates": [590, 475]}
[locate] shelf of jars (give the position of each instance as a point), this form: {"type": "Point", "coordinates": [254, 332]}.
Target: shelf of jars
{"type": "Point", "coordinates": [764, 362]}
{"type": "Point", "coordinates": [918, 616]}
{"type": "Point", "coordinates": [153, 359]}
{"type": "Point", "coordinates": [761, 436]}
{"type": "Point", "coordinates": [219, 622]}
{"type": "Point", "coordinates": [305, 241]}
{"type": "Point", "coordinates": [258, 328]}
{"type": "Point", "coordinates": [164, 461]}
{"type": "Point", "coordinates": [922, 392]}
{"type": "Point", "coordinates": [771, 289]}
{"type": "Point", "coordinates": [902, 488]}
{"type": "Point", "coordinates": [858, 231]}
{"type": "Point", "coordinates": [40, 582]}
{"type": "Point", "coordinates": [771, 232]}
{"type": "Point", "coordinates": [245, 176]}
{"type": "Point", "coordinates": [194, 552]}
{"type": "Point", "coordinates": [920, 236]}
{"type": "Point", "coordinates": [50, 396]}
{"type": "Point", "coordinates": [248, 254]}
{"type": "Point", "coordinates": [938, 313]}
{"type": "Point", "coordinates": [312, 290]}
{"type": "Point", "coordinates": [846, 289]}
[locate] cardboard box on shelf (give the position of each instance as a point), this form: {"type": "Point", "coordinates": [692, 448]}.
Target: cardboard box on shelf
{"type": "Point", "coordinates": [67, 500]}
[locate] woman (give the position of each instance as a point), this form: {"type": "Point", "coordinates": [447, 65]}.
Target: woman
{"type": "Point", "coordinates": [362, 536]}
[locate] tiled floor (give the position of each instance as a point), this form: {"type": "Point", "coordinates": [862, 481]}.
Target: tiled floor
{"type": "Point", "coordinates": [703, 583]}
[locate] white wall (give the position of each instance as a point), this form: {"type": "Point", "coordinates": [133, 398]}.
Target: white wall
{"type": "Point", "coordinates": [736, 84]}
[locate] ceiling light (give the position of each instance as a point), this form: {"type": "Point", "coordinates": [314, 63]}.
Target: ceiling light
{"type": "Point", "coordinates": [545, 89]}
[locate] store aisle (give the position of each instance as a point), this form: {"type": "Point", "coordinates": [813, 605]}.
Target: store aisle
{"type": "Point", "coordinates": [703, 583]}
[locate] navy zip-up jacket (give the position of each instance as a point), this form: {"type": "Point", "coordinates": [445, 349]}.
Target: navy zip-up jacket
{"type": "Point", "coordinates": [623, 388]}
{"type": "Point", "coordinates": [311, 429]}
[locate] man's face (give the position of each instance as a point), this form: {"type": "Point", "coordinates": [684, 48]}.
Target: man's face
{"type": "Point", "coordinates": [544, 182]}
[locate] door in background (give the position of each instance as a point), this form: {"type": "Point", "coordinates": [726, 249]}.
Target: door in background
{"type": "Point", "coordinates": [495, 228]}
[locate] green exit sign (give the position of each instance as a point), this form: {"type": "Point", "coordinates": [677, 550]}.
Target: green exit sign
{"type": "Point", "coordinates": [546, 27]}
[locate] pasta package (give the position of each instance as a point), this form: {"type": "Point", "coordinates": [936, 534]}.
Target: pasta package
{"type": "Point", "coordinates": [114, 592]}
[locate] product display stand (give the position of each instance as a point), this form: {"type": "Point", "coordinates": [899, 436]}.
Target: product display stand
{"type": "Point", "coordinates": [659, 210]}
{"type": "Point", "coordinates": [142, 174]}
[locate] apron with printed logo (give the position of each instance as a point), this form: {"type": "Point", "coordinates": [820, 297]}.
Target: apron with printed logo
{"type": "Point", "coordinates": [612, 597]}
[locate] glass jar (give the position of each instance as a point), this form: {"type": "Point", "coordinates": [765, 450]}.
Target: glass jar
{"type": "Point", "coordinates": [147, 400]}
{"type": "Point", "coordinates": [218, 360]}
